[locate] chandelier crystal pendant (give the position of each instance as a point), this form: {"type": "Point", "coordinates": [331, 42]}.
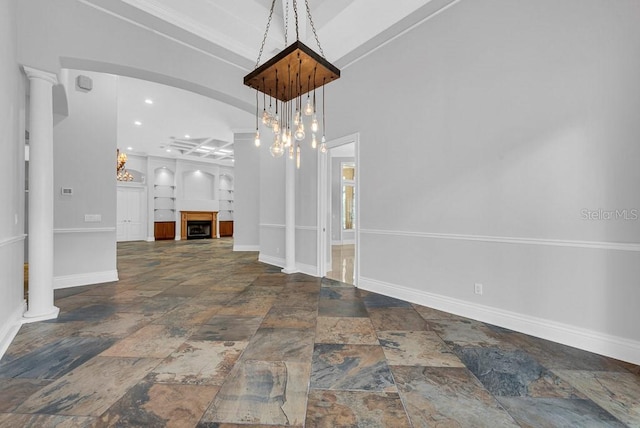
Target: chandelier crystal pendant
{"type": "Point", "coordinates": [288, 76]}
{"type": "Point", "coordinates": [121, 173]}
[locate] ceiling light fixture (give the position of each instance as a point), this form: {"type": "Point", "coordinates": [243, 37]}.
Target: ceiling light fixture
{"type": "Point", "coordinates": [148, 101]}
{"type": "Point", "coordinates": [137, 123]}
{"type": "Point", "coordinates": [284, 78]}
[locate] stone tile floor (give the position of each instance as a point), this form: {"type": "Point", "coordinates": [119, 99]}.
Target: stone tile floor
{"type": "Point", "coordinates": [196, 335]}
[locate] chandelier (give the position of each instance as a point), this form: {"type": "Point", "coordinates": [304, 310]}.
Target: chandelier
{"type": "Point", "coordinates": [121, 173]}
{"type": "Point", "coordinates": [285, 79]}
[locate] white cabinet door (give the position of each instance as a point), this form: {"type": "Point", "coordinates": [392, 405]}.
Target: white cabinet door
{"type": "Point", "coordinates": [131, 214]}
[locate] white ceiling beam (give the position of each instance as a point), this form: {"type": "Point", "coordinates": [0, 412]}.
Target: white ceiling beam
{"type": "Point", "coordinates": [193, 149]}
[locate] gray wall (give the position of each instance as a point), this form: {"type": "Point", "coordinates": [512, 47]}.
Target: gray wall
{"type": "Point", "coordinates": [84, 159]}
{"type": "Point", "coordinates": [12, 113]}
{"type": "Point", "coordinates": [246, 234]}
{"type": "Point", "coordinates": [509, 119]}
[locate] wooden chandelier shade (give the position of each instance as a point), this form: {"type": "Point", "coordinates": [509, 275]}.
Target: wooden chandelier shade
{"type": "Point", "coordinates": [277, 77]}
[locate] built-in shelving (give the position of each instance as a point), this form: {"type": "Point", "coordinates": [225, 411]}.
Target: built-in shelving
{"type": "Point", "coordinates": [226, 198]}
{"type": "Point", "coordinates": [164, 198]}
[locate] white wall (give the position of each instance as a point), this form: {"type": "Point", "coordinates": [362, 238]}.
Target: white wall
{"type": "Point", "coordinates": [246, 233]}
{"type": "Point", "coordinates": [12, 113]}
{"type": "Point", "coordinates": [84, 159]}
{"type": "Point", "coordinates": [503, 121]}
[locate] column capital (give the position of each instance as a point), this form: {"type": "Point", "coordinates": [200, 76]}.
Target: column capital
{"type": "Point", "coordinates": [34, 73]}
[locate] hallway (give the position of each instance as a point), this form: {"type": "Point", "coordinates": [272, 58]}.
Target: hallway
{"type": "Point", "coordinates": [194, 334]}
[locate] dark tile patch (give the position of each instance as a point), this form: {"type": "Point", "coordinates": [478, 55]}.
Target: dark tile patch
{"type": "Point", "coordinates": [55, 359]}
{"type": "Point", "coordinates": [512, 373]}
{"type": "Point", "coordinates": [130, 410]}
{"type": "Point", "coordinates": [558, 412]}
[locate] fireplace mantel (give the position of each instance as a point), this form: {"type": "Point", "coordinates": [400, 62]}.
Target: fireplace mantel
{"type": "Point", "coordinates": [186, 216]}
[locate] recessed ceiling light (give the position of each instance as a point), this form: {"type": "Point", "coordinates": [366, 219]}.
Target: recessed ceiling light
{"type": "Point", "coordinates": [187, 136]}
{"type": "Point", "coordinates": [148, 101]}
{"type": "Point", "coordinates": [168, 150]}
{"type": "Point", "coordinates": [137, 123]}
{"type": "Point", "coordinates": [129, 148]}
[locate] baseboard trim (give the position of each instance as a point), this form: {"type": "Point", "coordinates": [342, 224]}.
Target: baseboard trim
{"type": "Point", "coordinates": [11, 328]}
{"type": "Point", "coordinates": [307, 269]}
{"type": "Point", "coordinates": [151, 238]}
{"type": "Point", "coordinates": [246, 248]}
{"type": "Point", "coordinates": [274, 261]}
{"type": "Point", "coordinates": [588, 340]}
{"type": "Point", "coordinates": [67, 281]}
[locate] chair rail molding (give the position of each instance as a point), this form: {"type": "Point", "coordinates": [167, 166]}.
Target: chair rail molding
{"type": "Point", "coordinates": [601, 245]}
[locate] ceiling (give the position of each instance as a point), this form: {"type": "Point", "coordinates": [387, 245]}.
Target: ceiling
{"type": "Point", "coordinates": [232, 30]}
{"type": "Point", "coordinates": [159, 120]}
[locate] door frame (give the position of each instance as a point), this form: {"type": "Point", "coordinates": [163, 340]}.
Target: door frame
{"type": "Point", "coordinates": [324, 206]}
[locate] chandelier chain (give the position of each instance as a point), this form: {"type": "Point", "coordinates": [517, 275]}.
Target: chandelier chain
{"type": "Point", "coordinates": [266, 32]}
{"type": "Point", "coordinates": [313, 27]}
{"type": "Point", "coordinates": [286, 23]}
{"type": "Point", "coordinates": [295, 12]}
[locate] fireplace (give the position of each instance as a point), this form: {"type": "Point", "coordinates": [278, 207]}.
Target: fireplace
{"type": "Point", "coordinates": [198, 224]}
{"type": "Point", "coordinates": [198, 229]}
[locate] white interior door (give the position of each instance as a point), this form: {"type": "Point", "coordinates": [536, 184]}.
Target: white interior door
{"type": "Point", "coordinates": [131, 214]}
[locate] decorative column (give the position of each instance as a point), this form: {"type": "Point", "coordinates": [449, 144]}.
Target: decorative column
{"type": "Point", "coordinates": [40, 196]}
{"type": "Point", "coordinates": [290, 216]}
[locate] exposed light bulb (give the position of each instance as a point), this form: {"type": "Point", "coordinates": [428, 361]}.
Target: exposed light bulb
{"type": "Point", "coordinates": [275, 125]}
{"type": "Point", "coordinates": [297, 118]}
{"type": "Point", "coordinates": [299, 135]}
{"type": "Point", "coordinates": [323, 145]}
{"type": "Point", "coordinates": [314, 142]}
{"type": "Point", "coordinates": [308, 107]}
{"type": "Point", "coordinates": [256, 141]}
{"type": "Point", "coordinates": [298, 157]}
{"type": "Point", "coordinates": [314, 124]}
{"type": "Point", "coordinates": [291, 152]}
{"type": "Point", "coordinates": [266, 118]}
{"type": "Point", "coordinates": [276, 148]}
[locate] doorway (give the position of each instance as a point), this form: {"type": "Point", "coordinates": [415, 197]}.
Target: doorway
{"type": "Point", "coordinates": [338, 211]}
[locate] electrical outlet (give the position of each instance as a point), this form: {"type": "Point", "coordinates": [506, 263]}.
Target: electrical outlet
{"type": "Point", "coordinates": [477, 288]}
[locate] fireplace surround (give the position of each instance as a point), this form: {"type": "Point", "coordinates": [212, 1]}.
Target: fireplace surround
{"type": "Point", "coordinates": [198, 224]}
